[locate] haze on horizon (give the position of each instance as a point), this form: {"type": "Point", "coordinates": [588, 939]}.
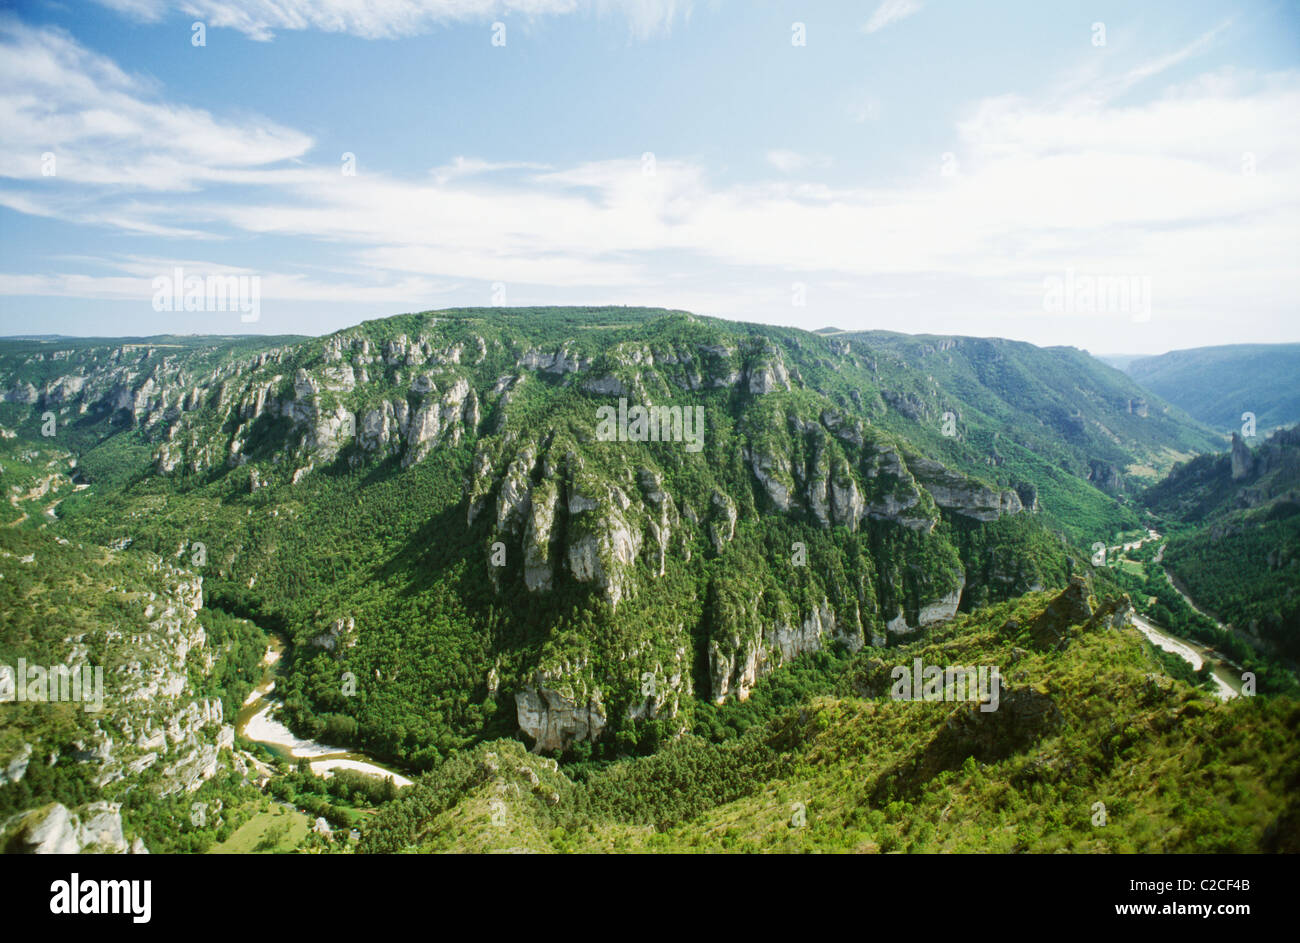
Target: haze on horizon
{"type": "Point", "coordinates": [39, 335]}
{"type": "Point", "coordinates": [909, 165]}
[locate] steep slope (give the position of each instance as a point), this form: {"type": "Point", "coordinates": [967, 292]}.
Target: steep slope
{"type": "Point", "coordinates": [1236, 540]}
{"type": "Point", "coordinates": [1090, 749]}
{"type": "Point", "coordinates": [119, 693]}
{"type": "Point", "coordinates": [1216, 385]}
{"type": "Point", "coordinates": [464, 513]}
{"type": "Point", "coordinates": [1058, 403]}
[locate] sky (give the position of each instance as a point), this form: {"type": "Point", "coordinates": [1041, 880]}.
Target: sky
{"type": "Point", "coordinates": [1119, 177]}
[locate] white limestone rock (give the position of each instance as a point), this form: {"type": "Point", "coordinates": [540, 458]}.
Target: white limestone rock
{"type": "Point", "coordinates": [556, 720]}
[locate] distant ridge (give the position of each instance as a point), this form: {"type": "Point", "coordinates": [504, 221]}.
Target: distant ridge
{"type": "Point", "coordinates": [1218, 384]}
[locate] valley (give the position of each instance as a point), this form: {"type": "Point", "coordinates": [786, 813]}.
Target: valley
{"type": "Point", "coordinates": [1225, 674]}
{"type": "Point", "coordinates": [649, 427]}
{"type": "Point", "coordinates": [257, 723]}
{"type": "Point", "coordinates": [1227, 680]}
{"type": "Point", "coordinates": [444, 608]}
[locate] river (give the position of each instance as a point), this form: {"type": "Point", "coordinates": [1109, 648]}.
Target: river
{"type": "Point", "coordinates": [258, 722]}
{"type": "Point", "coordinates": [1227, 683]}
{"type": "Point", "coordinates": [1227, 678]}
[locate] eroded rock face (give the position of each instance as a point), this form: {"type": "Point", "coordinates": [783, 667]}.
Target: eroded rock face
{"type": "Point", "coordinates": [55, 830]}
{"type": "Point", "coordinates": [514, 497]}
{"type": "Point", "coordinates": [786, 642]}
{"type": "Point", "coordinates": [734, 666]}
{"type": "Point", "coordinates": [773, 473]}
{"type": "Point", "coordinates": [909, 404]}
{"type": "Point", "coordinates": [1115, 613]}
{"type": "Point", "coordinates": [51, 830]}
{"type": "Point", "coordinates": [1243, 462]}
{"type": "Point", "coordinates": [441, 420]}
{"type": "Point", "coordinates": [723, 526]}
{"type": "Point", "coordinates": [769, 377]}
{"type": "Point", "coordinates": [384, 427]}
{"type": "Point", "coordinates": [942, 609]}
{"type": "Point", "coordinates": [811, 474]}
{"type": "Point", "coordinates": [331, 431]}
{"type": "Point", "coordinates": [939, 609]}
{"type": "Point", "coordinates": [341, 634]}
{"type": "Point", "coordinates": [847, 505]}
{"type": "Point", "coordinates": [897, 497]}
{"type": "Point", "coordinates": [340, 379]}
{"type": "Point", "coordinates": [555, 720]}
{"type": "Point", "coordinates": [602, 550]}
{"type": "Point", "coordinates": [737, 661]}
{"type": "Point", "coordinates": [1070, 608]}
{"type": "Point", "coordinates": [607, 385]}
{"type": "Point", "coordinates": [539, 570]}
{"type": "Point", "coordinates": [561, 361]}
{"type": "Point", "coordinates": [16, 768]}
{"type": "Point", "coordinates": [662, 688]}
{"type": "Point", "coordinates": [101, 828]}
{"type": "Point", "coordinates": [23, 393]}
{"type": "Point", "coordinates": [961, 495]}
{"type": "Point", "coordinates": [661, 527]}
{"type": "Point", "coordinates": [425, 426]}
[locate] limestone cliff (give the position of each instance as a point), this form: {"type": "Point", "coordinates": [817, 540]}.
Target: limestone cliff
{"type": "Point", "coordinates": [154, 723]}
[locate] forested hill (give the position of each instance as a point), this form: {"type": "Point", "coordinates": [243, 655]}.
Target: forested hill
{"type": "Point", "coordinates": [1235, 519]}
{"type": "Point", "coordinates": [1089, 732]}
{"type": "Point", "coordinates": [1077, 403]}
{"type": "Point", "coordinates": [427, 503]}
{"type": "Point", "coordinates": [1216, 385]}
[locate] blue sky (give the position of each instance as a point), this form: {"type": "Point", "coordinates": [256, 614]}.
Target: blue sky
{"type": "Point", "coordinates": [917, 165]}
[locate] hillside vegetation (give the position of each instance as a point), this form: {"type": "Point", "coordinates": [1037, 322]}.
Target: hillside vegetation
{"type": "Point", "coordinates": [1235, 537]}
{"type": "Point", "coordinates": [473, 546]}
{"type": "Point", "coordinates": [1216, 385]}
{"type": "Point", "coordinates": [1092, 749]}
{"type": "Point", "coordinates": [424, 502]}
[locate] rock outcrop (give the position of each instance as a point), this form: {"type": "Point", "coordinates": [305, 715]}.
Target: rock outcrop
{"type": "Point", "coordinates": [1243, 462]}
{"type": "Point", "coordinates": [556, 720]}
{"type": "Point", "coordinates": [961, 495]}
{"type": "Point", "coordinates": [54, 830]}
{"type": "Point", "coordinates": [1070, 608]}
{"type": "Point", "coordinates": [341, 634]}
{"type": "Point", "coordinates": [149, 720]}
{"type": "Point", "coordinates": [740, 656]}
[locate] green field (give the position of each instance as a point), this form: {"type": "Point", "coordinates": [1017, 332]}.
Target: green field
{"type": "Point", "coordinates": [277, 830]}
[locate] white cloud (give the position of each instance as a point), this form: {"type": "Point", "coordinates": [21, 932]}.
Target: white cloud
{"type": "Point", "coordinates": [647, 18]}
{"type": "Point", "coordinates": [1098, 82]}
{"type": "Point", "coordinates": [462, 166]}
{"type": "Point", "coordinates": [132, 280]}
{"type": "Point", "coordinates": [1047, 183]}
{"type": "Point", "coordinates": [390, 19]}
{"type": "Point", "coordinates": [889, 12]}
{"type": "Point", "coordinates": [106, 127]}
